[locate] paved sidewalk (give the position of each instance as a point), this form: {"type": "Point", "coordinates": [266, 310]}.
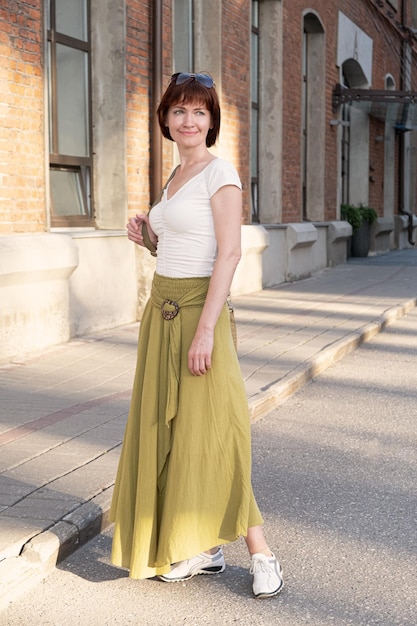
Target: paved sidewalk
{"type": "Point", "coordinates": [63, 412]}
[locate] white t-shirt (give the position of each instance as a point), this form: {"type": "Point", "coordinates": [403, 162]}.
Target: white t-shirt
{"type": "Point", "coordinates": [184, 224]}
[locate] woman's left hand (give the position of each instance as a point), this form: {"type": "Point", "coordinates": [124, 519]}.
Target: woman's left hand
{"type": "Point", "coordinates": [134, 229]}
{"type": "Point", "coordinates": [199, 354]}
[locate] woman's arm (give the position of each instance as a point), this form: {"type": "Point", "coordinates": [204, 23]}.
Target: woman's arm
{"type": "Point", "coordinates": [134, 229]}
{"type": "Point", "coordinates": [226, 207]}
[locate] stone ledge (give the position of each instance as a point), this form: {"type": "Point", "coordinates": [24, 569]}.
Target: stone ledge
{"type": "Point", "coordinates": [339, 231]}
{"type": "Point", "coordinates": [301, 235]}
{"type": "Point", "coordinates": [248, 276]}
{"type": "Point", "coordinates": [381, 231]}
{"type": "Point", "coordinates": [35, 258]}
{"type": "Point", "coordinates": [382, 225]}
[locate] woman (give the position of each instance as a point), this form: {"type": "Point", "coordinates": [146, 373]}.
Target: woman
{"type": "Point", "coordinates": [183, 485]}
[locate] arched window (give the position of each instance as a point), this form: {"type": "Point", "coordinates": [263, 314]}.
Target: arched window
{"type": "Point", "coordinates": [353, 75]}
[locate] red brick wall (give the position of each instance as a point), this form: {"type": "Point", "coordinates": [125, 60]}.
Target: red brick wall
{"type": "Point", "coordinates": [139, 98]}
{"type": "Point", "coordinates": [379, 23]}
{"type": "Point", "coordinates": [22, 124]}
{"type": "Point", "coordinates": [235, 128]}
{"type": "Point", "coordinates": [138, 74]}
{"type": "Point", "coordinates": [291, 140]}
{"type": "Point", "coordinates": [22, 149]}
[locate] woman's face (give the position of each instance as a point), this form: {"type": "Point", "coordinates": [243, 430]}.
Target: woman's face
{"type": "Point", "coordinates": [189, 123]}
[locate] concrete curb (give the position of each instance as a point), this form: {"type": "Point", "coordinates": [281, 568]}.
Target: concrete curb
{"type": "Point", "coordinates": [40, 555]}
{"type": "Point", "coordinates": [263, 403]}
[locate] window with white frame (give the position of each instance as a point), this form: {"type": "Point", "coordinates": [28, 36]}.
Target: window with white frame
{"type": "Point", "coordinates": [69, 105]}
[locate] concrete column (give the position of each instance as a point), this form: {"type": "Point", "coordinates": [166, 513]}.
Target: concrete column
{"type": "Point", "coordinates": [316, 107]}
{"type": "Point", "coordinates": [359, 157]}
{"type": "Point", "coordinates": [270, 112]}
{"type": "Point", "coordinates": [207, 39]}
{"type": "Point", "coordinates": [389, 170]}
{"type": "Point", "coordinates": [389, 161]}
{"type": "Point", "coordinates": [108, 19]}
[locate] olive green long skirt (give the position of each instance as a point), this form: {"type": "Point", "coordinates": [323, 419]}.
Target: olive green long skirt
{"type": "Point", "coordinates": [184, 479]}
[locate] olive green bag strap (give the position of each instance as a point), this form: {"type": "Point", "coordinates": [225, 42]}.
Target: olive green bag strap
{"type": "Point", "coordinates": [146, 239]}
{"type": "Point", "coordinates": [232, 322]}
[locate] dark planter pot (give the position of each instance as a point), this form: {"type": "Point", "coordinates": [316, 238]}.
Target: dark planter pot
{"type": "Point", "coordinates": [361, 240]}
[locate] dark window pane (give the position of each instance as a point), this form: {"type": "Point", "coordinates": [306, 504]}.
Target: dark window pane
{"type": "Point", "coordinates": [71, 18]}
{"type": "Point", "coordinates": [50, 124]}
{"type": "Point", "coordinates": [72, 101]}
{"type": "Point", "coordinates": [48, 14]}
{"type": "Point", "coordinates": [254, 202]}
{"type": "Point", "coordinates": [254, 144]}
{"type": "Point", "coordinates": [67, 196]}
{"type": "Point", "coordinates": [254, 67]}
{"type": "Point", "coordinates": [255, 14]}
{"type": "Point", "coordinates": [183, 33]}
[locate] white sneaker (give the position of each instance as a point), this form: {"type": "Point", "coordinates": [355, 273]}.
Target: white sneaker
{"type": "Point", "coordinates": [267, 576]}
{"type": "Point", "coordinates": [201, 564]}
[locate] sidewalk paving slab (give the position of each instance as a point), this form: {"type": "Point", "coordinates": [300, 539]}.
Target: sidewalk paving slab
{"type": "Point", "coordinates": [63, 411]}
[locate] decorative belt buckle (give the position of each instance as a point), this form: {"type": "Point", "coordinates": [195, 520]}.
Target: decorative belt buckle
{"type": "Point", "coordinates": [169, 314]}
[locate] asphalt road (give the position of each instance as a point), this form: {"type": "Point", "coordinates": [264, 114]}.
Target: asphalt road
{"type": "Point", "coordinates": [335, 473]}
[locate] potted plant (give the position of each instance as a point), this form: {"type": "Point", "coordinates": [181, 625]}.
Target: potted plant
{"type": "Point", "coordinates": [360, 217]}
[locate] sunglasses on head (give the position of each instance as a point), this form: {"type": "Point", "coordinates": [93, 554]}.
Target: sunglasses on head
{"type": "Point", "coordinates": [204, 79]}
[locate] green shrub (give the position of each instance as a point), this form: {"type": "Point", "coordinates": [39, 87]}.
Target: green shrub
{"type": "Point", "coordinates": [357, 214]}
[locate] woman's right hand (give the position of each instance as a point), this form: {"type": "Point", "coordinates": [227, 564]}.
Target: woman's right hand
{"type": "Point", "coordinates": [134, 229]}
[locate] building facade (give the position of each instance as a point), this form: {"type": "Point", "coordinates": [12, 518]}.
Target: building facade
{"type": "Point", "coordinates": [317, 111]}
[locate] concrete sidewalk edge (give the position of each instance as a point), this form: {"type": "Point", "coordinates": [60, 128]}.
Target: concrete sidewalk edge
{"type": "Point", "coordinates": [40, 555]}
{"type": "Point", "coordinates": [265, 402]}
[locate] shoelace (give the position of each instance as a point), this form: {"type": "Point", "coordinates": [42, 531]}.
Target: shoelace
{"type": "Point", "coordinates": [260, 566]}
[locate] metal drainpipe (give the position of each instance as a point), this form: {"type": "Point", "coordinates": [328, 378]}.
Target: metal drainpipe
{"type": "Point", "coordinates": [156, 136]}
{"type": "Point", "coordinates": [401, 206]}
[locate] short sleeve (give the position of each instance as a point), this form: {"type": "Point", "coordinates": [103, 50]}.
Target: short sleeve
{"type": "Point", "coordinates": [219, 174]}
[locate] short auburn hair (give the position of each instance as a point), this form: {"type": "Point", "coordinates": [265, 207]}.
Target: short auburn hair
{"type": "Point", "coordinates": [190, 91]}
